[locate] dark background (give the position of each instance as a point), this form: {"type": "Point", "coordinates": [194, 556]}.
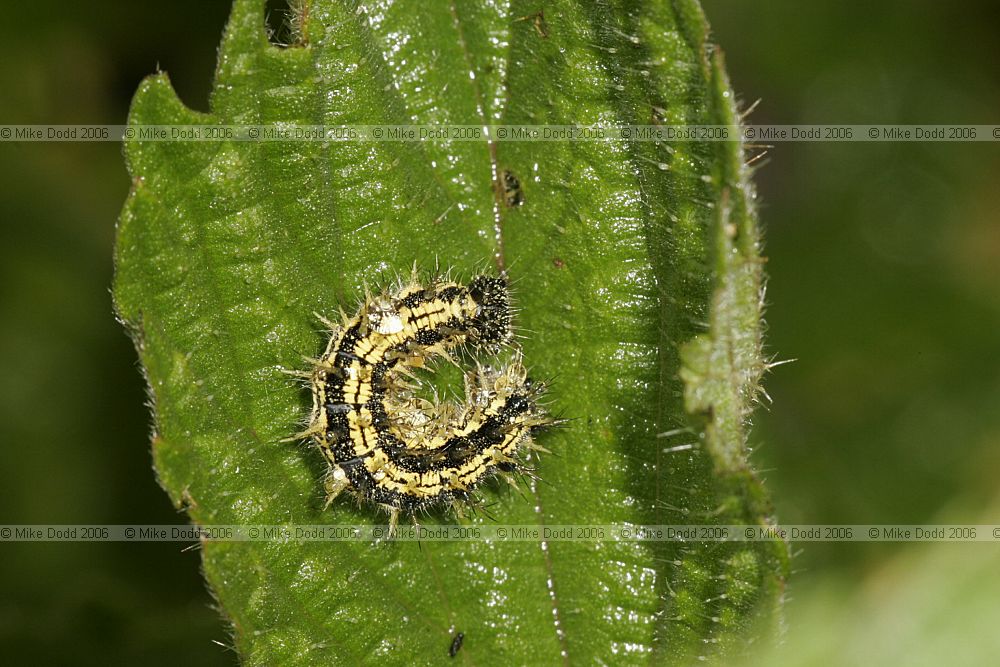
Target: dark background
{"type": "Point", "coordinates": [884, 263]}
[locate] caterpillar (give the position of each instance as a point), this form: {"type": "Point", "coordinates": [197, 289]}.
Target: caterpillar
{"type": "Point", "coordinates": [391, 446]}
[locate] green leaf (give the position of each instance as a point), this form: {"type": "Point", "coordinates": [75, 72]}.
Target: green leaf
{"type": "Point", "coordinates": [638, 281]}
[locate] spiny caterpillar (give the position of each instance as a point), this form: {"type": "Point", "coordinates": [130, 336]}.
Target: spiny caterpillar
{"type": "Point", "coordinates": [390, 446]}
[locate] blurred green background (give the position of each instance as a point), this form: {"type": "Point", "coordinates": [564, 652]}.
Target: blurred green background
{"type": "Point", "coordinates": [884, 263]}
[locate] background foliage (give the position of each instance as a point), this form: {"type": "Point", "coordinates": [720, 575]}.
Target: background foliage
{"type": "Point", "coordinates": [883, 284]}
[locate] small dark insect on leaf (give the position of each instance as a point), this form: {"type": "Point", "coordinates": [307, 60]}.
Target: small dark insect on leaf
{"type": "Point", "coordinates": [456, 644]}
{"type": "Point", "coordinates": [510, 188]}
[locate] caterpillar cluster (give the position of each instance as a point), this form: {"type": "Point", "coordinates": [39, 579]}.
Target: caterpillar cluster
{"type": "Point", "coordinates": [383, 440]}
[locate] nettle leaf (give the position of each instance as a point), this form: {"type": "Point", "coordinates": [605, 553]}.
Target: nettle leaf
{"type": "Point", "coordinates": [638, 280]}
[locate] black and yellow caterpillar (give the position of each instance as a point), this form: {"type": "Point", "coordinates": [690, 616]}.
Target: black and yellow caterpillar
{"type": "Point", "coordinates": [385, 443]}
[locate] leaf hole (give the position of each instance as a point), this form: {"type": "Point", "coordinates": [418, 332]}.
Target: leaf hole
{"type": "Point", "coordinates": [286, 22]}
